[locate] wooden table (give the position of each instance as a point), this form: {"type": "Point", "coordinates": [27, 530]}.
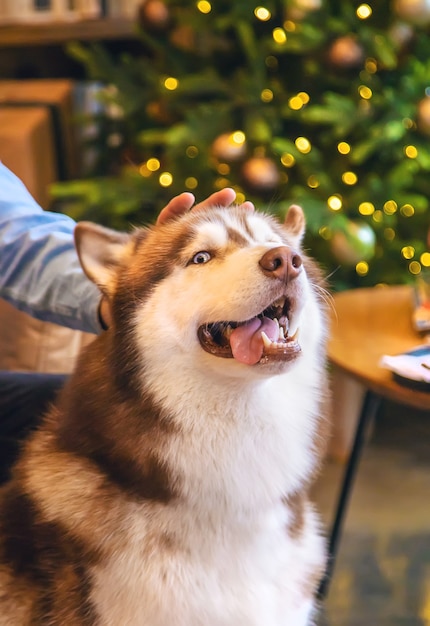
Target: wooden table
{"type": "Point", "coordinates": [366, 324]}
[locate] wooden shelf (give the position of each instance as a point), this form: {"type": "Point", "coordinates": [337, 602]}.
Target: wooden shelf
{"type": "Point", "coordinates": [42, 34]}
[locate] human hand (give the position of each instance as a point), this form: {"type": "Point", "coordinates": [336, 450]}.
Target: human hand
{"type": "Point", "coordinates": [184, 202]}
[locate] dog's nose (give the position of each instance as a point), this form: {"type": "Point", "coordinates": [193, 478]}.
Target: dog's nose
{"type": "Point", "coordinates": [282, 262]}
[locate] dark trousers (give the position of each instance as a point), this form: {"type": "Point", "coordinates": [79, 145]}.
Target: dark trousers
{"type": "Point", "coordinates": [24, 398]}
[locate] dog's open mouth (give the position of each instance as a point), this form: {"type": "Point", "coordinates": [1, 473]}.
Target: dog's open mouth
{"type": "Point", "coordinates": [261, 339]}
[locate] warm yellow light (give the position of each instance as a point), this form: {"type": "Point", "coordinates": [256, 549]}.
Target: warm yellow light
{"type": "Point", "coordinates": [411, 152]}
{"type": "Point", "coordinates": [223, 169]}
{"type": "Point", "coordinates": [144, 171]}
{"type": "Point", "coordinates": [238, 137]}
{"type": "Point", "coordinates": [262, 14]}
{"type": "Point", "coordinates": [408, 252]}
{"type": "Point", "coordinates": [389, 234]}
{"type": "Point", "coordinates": [414, 267]}
{"type": "Point", "coordinates": [166, 179]}
{"type": "Point", "coordinates": [390, 207]}
{"type": "Point", "coordinates": [313, 182]}
{"type": "Point", "coordinates": [349, 178]}
{"type": "Point", "coordinates": [408, 123]}
{"type": "Point", "coordinates": [343, 147]}
{"type": "Point", "coordinates": [303, 145]}
{"type": "Point", "coordinates": [287, 160]}
{"type": "Point", "coordinates": [366, 208]}
{"type": "Point", "coordinates": [295, 103]}
{"type": "Point", "coordinates": [364, 11]}
{"type": "Point", "coordinates": [334, 203]}
{"type": "Point", "coordinates": [171, 83]}
{"type": "Point", "coordinates": [267, 95]}
{"type": "Point", "coordinates": [378, 216]}
{"type": "Point", "coordinates": [371, 66]}
{"type": "Point", "coordinates": [204, 6]}
{"type": "Point", "coordinates": [365, 92]}
{"type": "Point", "coordinates": [153, 165]}
{"type": "Point", "coordinates": [240, 197]}
{"type": "Point", "coordinates": [304, 97]}
{"type": "Point", "coordinates": [290, 26]}
{"type": "Point", "coordinates": [191, 182]}
{"type": "Point", "coordinates": [362, 268]}
{"type": "Point", "coordinates": [407, 210]}
{"type": "Point", "coordinates": [279, 35]}
{"type": "Point", "coordinates": [192, 152]}
{"type": "Point", "coordinates": [222, 182]}
{"type": "Point", "coordinates": [425, 259]}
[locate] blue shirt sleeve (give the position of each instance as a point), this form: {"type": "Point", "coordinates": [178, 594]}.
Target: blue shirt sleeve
{"type": "Point", "coordinates": [40, 271]}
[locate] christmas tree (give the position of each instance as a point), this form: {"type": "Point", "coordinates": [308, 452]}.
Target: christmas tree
{"type": "Point", "coordinates": [324, 103]}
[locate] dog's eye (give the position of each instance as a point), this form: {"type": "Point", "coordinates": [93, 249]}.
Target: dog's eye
{"type": "Point", "coordinates": [201, 257]}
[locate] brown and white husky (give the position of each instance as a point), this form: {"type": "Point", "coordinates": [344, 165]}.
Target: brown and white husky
{"type": "Point", "coordinates": [168, 485]}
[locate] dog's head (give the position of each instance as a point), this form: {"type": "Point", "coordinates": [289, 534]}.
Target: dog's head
{"type": "Point", "coordinates": [222, 288]}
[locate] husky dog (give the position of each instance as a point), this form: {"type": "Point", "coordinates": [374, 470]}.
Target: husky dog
{"type": "Point", "coordinates": [168, 485]}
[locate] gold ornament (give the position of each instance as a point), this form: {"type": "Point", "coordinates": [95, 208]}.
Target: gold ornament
{"type": "Point", "coordinates": [346, 52]}
{"type": "Point", "coordinates": [154, 15]}
{"type": "Point", "coordinates": [423, 118]}
{"type": "Point", "coordinates": [355, 243]}
{"type": "Point", "coordinates": [261, 174]}
{"type": "Point", "coordinates": [413, 11]}
{"type": "Point", "coordinates": [229, 147]}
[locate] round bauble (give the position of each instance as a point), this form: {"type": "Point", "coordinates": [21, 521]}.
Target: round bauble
{"type": "Point", "coordinates": [354, 243]}
{"type": "Point", "coordinates": [226, 148]}
{"type": "Point", "coordinates": [261, 173]}
{"type": "Point", "coordinates": [413, 11]}
{"type": "Point", "coordinates": [345, 52]}
{"type": "Point", "coordinates": [154, 15]}
{"type": "Point", "coordinates": [423, 115]}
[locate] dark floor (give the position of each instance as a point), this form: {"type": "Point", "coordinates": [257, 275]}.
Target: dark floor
{"type": "Point", "coordinates": [382, 572]}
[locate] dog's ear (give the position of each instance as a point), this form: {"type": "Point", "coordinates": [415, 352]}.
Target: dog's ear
{"type": "Point", "coordinates": [100, 251]}
{"type": "Point", "coordinates": [296, 223]}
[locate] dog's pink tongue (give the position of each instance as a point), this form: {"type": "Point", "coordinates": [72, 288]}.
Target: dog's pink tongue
{"type": "Point", "coordinates": [246, 342]}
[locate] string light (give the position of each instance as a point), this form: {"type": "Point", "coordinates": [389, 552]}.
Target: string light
{"type": "Point", "coordinates": [263, 14]}
{"type": "Point", "coordinates": [343, 147]}
{"type": "Point", "coordinates": [267, 95]}
{"type": "Point", "coordinates": [425, 259]}
{"type": "Point", "coordinates": [408, 252]}
{"type": "Point", "coordinates": [349, 178]}
{"type": "Point", "coordinates": [271, 62]}
{"type": "Point", "coordinates": [389, 234]}
{"type": "Point", "coordinates": [295, 103]}
{"type": "Point", "coordinates": [364, 11]}
{"type": "Point", "coordinates": [223, 169]}
{"type": "Point", "coordinates": [279, 35]}
{"type": "Point", "coordinates": [290, 26]}
{"type": "Point", "coordinates": [288, 160]}
{"type": "Point", "coordinates": [313, 182]}
{"type": "Point", "coordinates": [407, 210]}
{"type": "Point", "coordinates": [204, 6]}
{"type": "Point", "coordinates": [303, 145]}
{"type": "Point", "coordinates": [365, 92]}
{"type": "Point", "coordinates": [191, 182]}
{"type": "Point", "coordinates": [378, 217]}
{"type": "Point", "coordinates": [171, 83]}
{"type": "Point", "coordinates": [335, 202]}
{"type": "Point", "coordinates": [411, 152]}
{"type": "Point", "coordinates": [165, 179]}
{"type": "Point", "coordinates": [325, 232]}
{"type": "Point", "coordinates": [371, 65]}
{"type": "Point", "coordinates": [366, 208]}
{"type": "Point", "coordinates": [362, 268]}
{"type": "Point", "coordinates": [414, 267]}
{"type": "Point", "coordinates": [390, 207]}
{"type": "Point", "coordinates": [192, 152]}
{"type": "Point", "coordinates": [153, 165]}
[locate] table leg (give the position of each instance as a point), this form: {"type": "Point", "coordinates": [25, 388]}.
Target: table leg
{"type": "Point", "coordinates": [369, 410]}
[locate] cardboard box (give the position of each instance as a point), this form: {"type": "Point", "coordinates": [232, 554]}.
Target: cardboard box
{"type": "Point", "coordinates": [27, 148]}
{"type": "Point", "coordinates": [56, 96]}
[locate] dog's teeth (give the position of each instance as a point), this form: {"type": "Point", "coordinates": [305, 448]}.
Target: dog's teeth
{"type": "Point", "coordinates": [279, 303]}
{"type": "Point", "coordinates": [281, 334]}
{"type": "Point", "coordinates": [228, 331]}
{"type": "Point", "coordinates": [267, 342]}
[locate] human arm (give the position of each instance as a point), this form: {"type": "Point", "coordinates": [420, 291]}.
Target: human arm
{"type": "Point", "coordinates": [39, 269]}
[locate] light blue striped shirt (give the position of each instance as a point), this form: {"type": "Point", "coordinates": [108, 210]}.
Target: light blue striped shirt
{"type": "Point", "coordinates": [39, 267]}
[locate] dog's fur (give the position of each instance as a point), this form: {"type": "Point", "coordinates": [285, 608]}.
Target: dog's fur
{"type": "Point", "coordinates": [168, 485]}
